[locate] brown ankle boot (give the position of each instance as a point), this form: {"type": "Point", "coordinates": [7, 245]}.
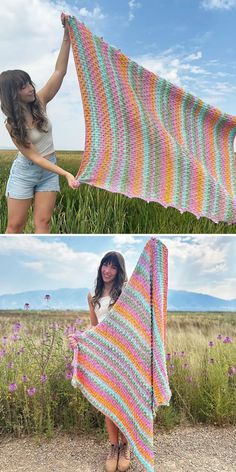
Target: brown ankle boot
{"type": "Point", "coordinates": [124, 457]}
{"type": "Point", "coordinates": [112, 458]}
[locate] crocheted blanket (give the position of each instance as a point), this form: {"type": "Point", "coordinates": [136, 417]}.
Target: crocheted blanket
{"type": "Point", "coordinates": [120, 364]}
{"type": "Point", "coordinates": [148, 138]}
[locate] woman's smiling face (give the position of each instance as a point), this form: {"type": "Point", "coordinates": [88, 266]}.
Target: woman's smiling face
{"type": "Point", "coordinates": [108, 271]}
{"type": "Point", "coordinates": [27, 93]}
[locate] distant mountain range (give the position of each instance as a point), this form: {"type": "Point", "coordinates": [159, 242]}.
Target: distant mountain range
{"type": "Point", "coordinates": [76, 299]}
{"type": "Point", "coordinates": [190, 301]}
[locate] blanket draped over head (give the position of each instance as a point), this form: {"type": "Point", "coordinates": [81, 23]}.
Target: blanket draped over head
{"type": "Point", "coordinates": [148, 138]}
{"type": "Point", "coordinates": [120, 364]}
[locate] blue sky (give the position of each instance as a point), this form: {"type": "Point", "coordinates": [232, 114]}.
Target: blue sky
{"type": "Point", "coordinates": [202, 263]}
{"type": "Point", "coordinates": [189, 42]}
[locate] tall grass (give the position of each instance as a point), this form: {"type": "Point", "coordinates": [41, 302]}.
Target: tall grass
{"type": "Point", "coordinates": [36, 395]}
{"type": "Point", "coordinates": [92, 210]}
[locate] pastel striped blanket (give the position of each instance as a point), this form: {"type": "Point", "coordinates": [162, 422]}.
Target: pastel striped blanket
{"type": "Point", "coordinates": [120, 364]}
{"type": "Point", "coordinates": [148, 138]}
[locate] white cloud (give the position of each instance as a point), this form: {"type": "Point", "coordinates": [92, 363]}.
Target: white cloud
{"type": "Point", "coordinates": [96, 13]}
{"type": "Point", "coordinates": [120, 239]}
{"type": "Point", "coordinates": [203, 264]}
{"type": "Point", "coordinates": [219, 288]}
{"type": "Point", "coordinates": [133, 4]}
{"type": "Point", "coordinates": [218, 4]}
{"type": "Point", "coordinates": [194, 56]}
{"type": "Point", "coordinates": [34, 266]}
{"type": "Point", "coordinates": [60, 264]}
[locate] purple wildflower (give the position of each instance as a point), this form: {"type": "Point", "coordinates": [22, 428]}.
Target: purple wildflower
{"type": "Point", "coordinates": [15, 337]}
{"type": "Point", "coordinates": [12, 387]}
{"type": "Point", "coordinates": [168, 356]}
{"type": "Point", "coordinates": [211, 343]}
{"type": "Point", "coordinates": [16, 327]}
{"type": "Point", "coordinates": [43, 378]}
{"type": "Point", "coordinates": [182, 354]}
{"type": "Point", "coordinates": [69, 366]}
{"type": "Point", "coordinates": [186, 366]}
{"type": "Point", "coordinates": [22, 349]}
{"type": "Point", "coordinates": [227, 340]}
{"type": "Point", "coordinates": [68, 375]}
{"type": "Point", "coordinates": [24, 378]}
{"type": "Point", "coordinates": [2, 353]}
{"type": "Point", "coordinates": [70, 329]}
{"type": "Point", "coordinates": [78, 321]}
{"type": "Point", "coordinates": [31, 391]}
{"type": "Point", "coordinates": [10, 365]}
{"type": "Point", "coordinates": [219, 336]}
{"type": "Point", "coordinates": [4, 340]}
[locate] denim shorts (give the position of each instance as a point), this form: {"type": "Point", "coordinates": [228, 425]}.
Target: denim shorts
{"type": "Point", "coordinates": [26, 178]}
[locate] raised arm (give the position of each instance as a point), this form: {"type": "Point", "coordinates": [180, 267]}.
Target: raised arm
{"type": "Point", "coordinates": [54, 83]}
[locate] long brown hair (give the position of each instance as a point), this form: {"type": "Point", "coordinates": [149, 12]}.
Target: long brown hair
{"type": "Point", "coordinates": [121, 277]}
{"type": "Point", "coordinates": [11, 82]}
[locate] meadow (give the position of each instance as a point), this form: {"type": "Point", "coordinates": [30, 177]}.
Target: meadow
{"type": "Point", "coordinates": [91, 210]}
{"type": "Point", "coordinates": [36, 396]}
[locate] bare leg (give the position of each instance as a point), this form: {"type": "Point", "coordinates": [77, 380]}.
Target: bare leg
{"type": "Point", "coordinates": [43, 208]}
{"type": "Point", "coordinates": [113, 430]}
{"type": "Point", "coordinates": [17, 214]}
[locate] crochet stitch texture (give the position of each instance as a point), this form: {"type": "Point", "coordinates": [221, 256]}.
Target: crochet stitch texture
{"type": "Point", "coordinates": [148, 138]}
{"type": "Point", "coordinates": [120, 364]}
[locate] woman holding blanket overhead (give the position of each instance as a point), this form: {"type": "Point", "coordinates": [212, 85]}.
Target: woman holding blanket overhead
{"type": "Point", "coordinates": [111, 278]}
{"type": "Point", "coordinates": [34, 173]}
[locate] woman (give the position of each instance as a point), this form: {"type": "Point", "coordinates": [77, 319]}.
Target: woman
{"type": "Point", "coordinates": [111, 278]}
{"type": "Point", "coordinates": [34, 173]}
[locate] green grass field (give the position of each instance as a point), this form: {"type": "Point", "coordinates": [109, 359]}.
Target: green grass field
{"type": "Point", "coordinates": [36, 396]}
{"type": "Point", "coordinates": [90, 210]}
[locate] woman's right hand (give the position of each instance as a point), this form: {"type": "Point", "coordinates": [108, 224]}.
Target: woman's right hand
{"type": "Point", "coordinates": [72, 182]}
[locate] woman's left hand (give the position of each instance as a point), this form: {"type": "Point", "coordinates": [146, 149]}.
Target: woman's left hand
{"type": "Point", "coordinates": [72, 182]}
{"type": "Point", "coordinates": [64, 22]}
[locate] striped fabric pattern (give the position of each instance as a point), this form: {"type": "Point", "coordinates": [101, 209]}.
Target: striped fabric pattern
{"type": "Point", "coordinates": [148, 138]}
{"type": "Point", "coordinates": [120, 365]}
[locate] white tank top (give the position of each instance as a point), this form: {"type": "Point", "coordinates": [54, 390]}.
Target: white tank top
{"type": "Point", "coordinates": [42, 140]}
{"type": "Point", "coordinates": [102, 310]}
